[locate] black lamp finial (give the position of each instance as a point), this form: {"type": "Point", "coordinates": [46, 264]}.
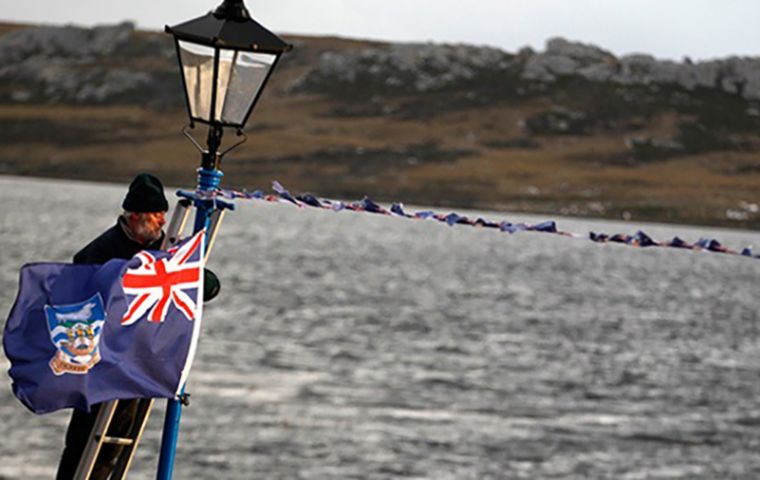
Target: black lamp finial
{"type": "Point", "coordinates": [232, 10]}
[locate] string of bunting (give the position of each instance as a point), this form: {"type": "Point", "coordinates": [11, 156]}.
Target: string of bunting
{"type": "Point", "coordinates": [638, 239]}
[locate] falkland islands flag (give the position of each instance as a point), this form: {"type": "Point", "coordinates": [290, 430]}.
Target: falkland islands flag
{"type": "Point", "coordinates": [84, 334]}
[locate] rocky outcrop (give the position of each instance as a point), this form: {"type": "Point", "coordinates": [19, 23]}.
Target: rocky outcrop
{"type": "Point", "coordinates": [563, 58]}
{"type": "Point", "coordinates": [557, 121]}
{"type": "Point", "coordinates": [83, 65]}
{"type": "Point", "coordinates": [424, 68]}
{"type": "Point", "coordinates": [734, 75]}
{"type": "Point", "coordinates": [692, 138]}
{"type": "Point", "coordinates": [111, 64]}
{"type": "Point", "coordinates": [408, 68]}
{"type": "Point", "coordinates": [64, 42]}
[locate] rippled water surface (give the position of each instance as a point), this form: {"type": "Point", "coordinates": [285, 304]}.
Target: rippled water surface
{"type": "Point", "coordinates": [356, 346]}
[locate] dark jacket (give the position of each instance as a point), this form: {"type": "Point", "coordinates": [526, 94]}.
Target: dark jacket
{"type": "Point", "coordinates": [113, 243]}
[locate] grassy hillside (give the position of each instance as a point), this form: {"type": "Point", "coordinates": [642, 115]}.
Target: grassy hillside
{"type": "Point", "coordinates": [575, 147]}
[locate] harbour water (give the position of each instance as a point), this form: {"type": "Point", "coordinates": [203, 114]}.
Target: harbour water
{"type": "Point", "coordinates": [359, 346]}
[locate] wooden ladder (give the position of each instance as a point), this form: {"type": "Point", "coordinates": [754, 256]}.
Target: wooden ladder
{"type": "Point", "coordinates": [99, 437]}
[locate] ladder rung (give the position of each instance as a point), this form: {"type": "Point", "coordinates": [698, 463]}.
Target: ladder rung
{"type": "Point", "coordinates": [118, 441]}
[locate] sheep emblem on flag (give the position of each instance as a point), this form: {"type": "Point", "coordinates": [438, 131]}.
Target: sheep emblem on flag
{"type": "Point", "coordinates": [165, 282]}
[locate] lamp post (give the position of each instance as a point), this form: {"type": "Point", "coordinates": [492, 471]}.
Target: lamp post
{"type": "Point", "coordinates": [225, 60]}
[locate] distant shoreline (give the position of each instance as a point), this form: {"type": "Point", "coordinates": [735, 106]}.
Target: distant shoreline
{"type": "Point", "coordinates": [497, 213]}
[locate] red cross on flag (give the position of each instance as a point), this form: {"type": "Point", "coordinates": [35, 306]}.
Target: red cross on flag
{"type": "Point", "coordinates": [165, 282]}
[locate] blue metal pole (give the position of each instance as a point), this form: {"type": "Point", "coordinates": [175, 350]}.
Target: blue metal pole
{"type": "Point", "coordinates": [208, 180]}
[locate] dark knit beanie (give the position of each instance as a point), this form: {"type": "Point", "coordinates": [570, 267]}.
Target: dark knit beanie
{"type": "Point", "coordinates": [146, 194]}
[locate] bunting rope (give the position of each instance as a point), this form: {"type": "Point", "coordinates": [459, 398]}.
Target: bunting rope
{"type": "Point", "coordinates": [638, 239]}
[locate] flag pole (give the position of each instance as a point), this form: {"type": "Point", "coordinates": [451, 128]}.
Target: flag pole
{"type": "Point", "coordinates": [209, 179]}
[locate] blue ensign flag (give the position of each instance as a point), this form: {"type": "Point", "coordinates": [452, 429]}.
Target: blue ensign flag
{"type": "Point", "coordinates": [85, 334]}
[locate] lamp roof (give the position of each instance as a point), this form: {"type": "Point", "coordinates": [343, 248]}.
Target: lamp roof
{"type": "Point", "coordinates": [230, 26]}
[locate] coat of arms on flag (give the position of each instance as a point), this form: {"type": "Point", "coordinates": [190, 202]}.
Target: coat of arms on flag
{"type": "Point", "coordinates": [85, 334]}
{"type": "Point", "coordinates": [75, 332]}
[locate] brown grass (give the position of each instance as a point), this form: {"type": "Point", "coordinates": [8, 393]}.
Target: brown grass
{"type": "Point", "coordinates": [582, 175]}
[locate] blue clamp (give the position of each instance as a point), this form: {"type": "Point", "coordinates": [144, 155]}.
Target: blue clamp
{"type": "Point", "coordinates": [206, 203]}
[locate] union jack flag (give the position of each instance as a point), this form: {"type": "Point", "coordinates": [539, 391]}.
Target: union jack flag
{"type": "Point", "coordinates": [158, 284]}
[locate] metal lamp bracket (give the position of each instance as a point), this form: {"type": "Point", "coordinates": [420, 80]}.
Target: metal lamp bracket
{"type": "Point", "coordinates": [186, 132]}
{"type": "Point", "coordinates": [239, 133]}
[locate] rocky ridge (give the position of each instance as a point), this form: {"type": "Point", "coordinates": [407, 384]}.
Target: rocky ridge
{"type": "Point", "coordinates": [737, 75]}
{"type": "Point", "coordinates": [407, 68]}
{"type": "Point", "coordinates": [114, 63]}
{"type": "Point", "coordinates": [106, 64]}
{"type": "Point", "coordinates": [423, 68]}
{"type": "Point", "coordinates": [589, 91]}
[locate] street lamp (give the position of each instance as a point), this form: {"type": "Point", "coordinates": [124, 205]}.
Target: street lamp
{"type": "Point", "coordinates": [225, 59]}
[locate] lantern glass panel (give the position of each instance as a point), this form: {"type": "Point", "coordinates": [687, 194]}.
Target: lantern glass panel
{"type": "Point", "coordinates": [198, 70]}
{"type": "Point", "coordinates": [241, 76]}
